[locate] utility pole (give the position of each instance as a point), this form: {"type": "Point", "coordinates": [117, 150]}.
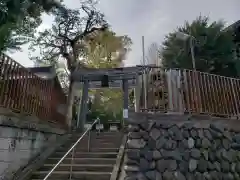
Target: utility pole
{"type": "Point", "coordinates": [192, 52]}
{"type": "Point", "coordinates": [144, 75]}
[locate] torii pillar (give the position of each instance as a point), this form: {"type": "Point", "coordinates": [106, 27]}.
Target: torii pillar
{"type": "Point", "coordinates": [125, 100]}
{"type": "Point", "coordinates": [137, 94]}
{"type": "Point", "coordinates": [83, 108]}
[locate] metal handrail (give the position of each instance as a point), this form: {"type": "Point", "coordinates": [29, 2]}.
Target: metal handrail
{"type": "Point", "coordinates": [74, 145]}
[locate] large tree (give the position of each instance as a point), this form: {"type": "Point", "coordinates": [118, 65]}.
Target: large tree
{"type": "Point", "coordinates": [107, 50]}
{"type": "Point", "coordinates": [212, 46]}
{"type": "Point", "coordinates": [66, 40]}
{"type": "Point", "coordinates": [19, 20]}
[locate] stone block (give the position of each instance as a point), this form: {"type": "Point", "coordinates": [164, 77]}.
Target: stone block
{"type": "Point", "coordinates": [136, 143]}
{"type": "Point", "coordinates": [185, 151]}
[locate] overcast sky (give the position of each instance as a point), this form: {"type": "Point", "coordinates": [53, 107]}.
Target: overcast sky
{"type": "Point", "coordinates": [150, 18]}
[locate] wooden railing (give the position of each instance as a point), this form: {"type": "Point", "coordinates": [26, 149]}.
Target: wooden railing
{"type": "Point", "coordinates": [23, 92]}
{"type": "Point", "coordinates": [211, 94]}
{"type": "Point", "coordinates": [188, 91]}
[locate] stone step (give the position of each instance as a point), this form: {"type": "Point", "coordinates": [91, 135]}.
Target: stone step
{"type": "Point", "coordinates": [79, 167]}
{"type": "Point", "coordinates": [94, 139]}
{"type": "Point", "coordinates": [100, 136]}
{"type": "Point", "coordinates": [93, 145]}
{"type": "Point", "coordinates": [111, 161]}
{"type": "Point", "coordinates": [106, 133]}
{"type": "Point", "coordinates": [64, 175]}
{"type": "Point", "coordinates": [87, 155]}
{"type": "Point", "coordinates": [75, 138]}
{"type": "Point", "coordinates": [96, 164]}
{"type": "Point", "coordinates": [92, 149]}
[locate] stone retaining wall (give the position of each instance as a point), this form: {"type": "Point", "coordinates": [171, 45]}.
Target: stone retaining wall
{"type": "Point", "coordinates": [21, 140]}
{"type": "Point", "coordinates": [182, 150]}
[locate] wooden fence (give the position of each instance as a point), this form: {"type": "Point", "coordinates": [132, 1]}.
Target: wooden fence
{"type": "Point", "coordinates": [188, 91]}
{"type": "Point", "coordinates": [23, 92]}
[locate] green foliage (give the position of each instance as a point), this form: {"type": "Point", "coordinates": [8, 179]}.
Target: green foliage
{"type": "Point", "coordinates": [19, 20]}
{"type": "Point", "coordinates": [107, 50]}
{"type": "Point", "coordinates": [213, 48]}
{"type": "Point", "coordinates": [107, 100]}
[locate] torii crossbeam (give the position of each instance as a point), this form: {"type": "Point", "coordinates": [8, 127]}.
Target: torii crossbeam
{"type": "Point", "coordinates": [115, 77]}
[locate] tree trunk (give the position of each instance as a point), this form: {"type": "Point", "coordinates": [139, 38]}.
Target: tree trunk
{"type": "Point", "coordinates": [70, 102]}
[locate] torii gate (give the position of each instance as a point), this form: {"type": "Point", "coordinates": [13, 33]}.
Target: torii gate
{"type": "Point", "coordinates": [125, 78]}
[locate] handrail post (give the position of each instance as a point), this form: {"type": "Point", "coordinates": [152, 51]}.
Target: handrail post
{"type": "Point", "coordinates": [98, 125]}
{"type": "Point", "coordinates": [70, 176]}
{"type": "Point", "coordinates": [89, 140]}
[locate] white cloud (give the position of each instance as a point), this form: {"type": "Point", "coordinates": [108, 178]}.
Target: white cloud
{"type": "Point", "coordinates": [44, 26]}
{"type": "Point", "coordinates": [151, 18]}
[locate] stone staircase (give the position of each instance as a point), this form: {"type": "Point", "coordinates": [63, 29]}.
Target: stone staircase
{"type": "Point", "coordinates": [96, 164]}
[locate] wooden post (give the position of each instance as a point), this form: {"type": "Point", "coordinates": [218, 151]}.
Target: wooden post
{"type": "Point", "coordinates": [137, 90]}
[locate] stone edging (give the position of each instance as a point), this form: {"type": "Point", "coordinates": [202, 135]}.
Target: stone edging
{"type": "Point", "coordinates": [117, 166]}
{"type": "Point", "coordinates": [10, 119]}
{"type": "Point", "coordinates": [197, 121]}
